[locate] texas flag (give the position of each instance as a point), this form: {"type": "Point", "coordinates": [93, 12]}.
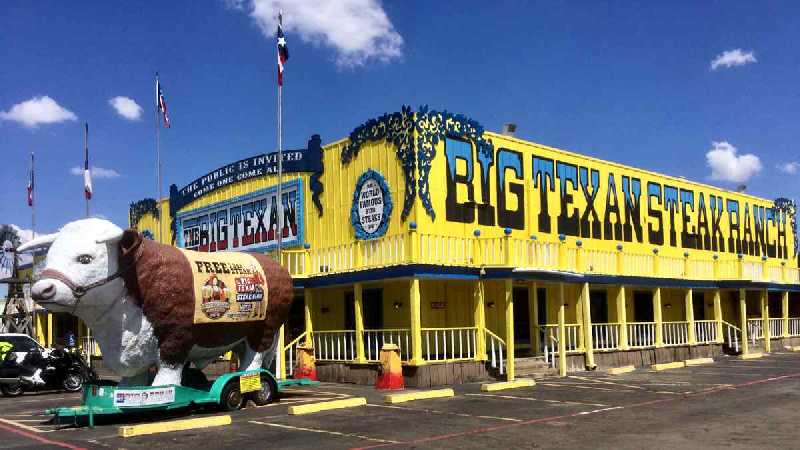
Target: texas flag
{"type": "Point", "coordinates": [283, 51]}
{"type": "Point", "coordinates": [87, 175]}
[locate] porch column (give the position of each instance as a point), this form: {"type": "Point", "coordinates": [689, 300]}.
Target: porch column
{"type": "Point", "coordinates": [533, 310]}
{"type": "Point", "coordinates": [480, 321]}
{"type": "Point", "coordinates": [743, 320]}
{"type": "Point", "coordinates": [562, 333]}
{"type": "Point", "coordinates": [280, 355]}
{"type": "Point", "coordinates": [765, 320]}
{"type": "Point", "coordinates": [307, 309]}
{"type": "Point", "coordinates": [718, 316]}
{"type": "Point", "coordinates": [415, 309]}
{"type": "Point", "coordinates": [657, 317]}
{"type": "Point", "coordinates": [358, 315]}
{"type": "Point", "coordinates": [689, 305]}
{"type": "Point", "coordinates": [588, 343]}
{"type": "Point", "coordinates": [509, 292]}
{"type": "Point", "coordinates": [49, 329]}
{"type": "Point", "coordinates": [785, 310]}
{"type": "Point", "coordinates": [622, 318]}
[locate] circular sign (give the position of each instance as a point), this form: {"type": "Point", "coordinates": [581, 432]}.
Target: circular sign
{"type": "Point", "coordinates": [372, 206]}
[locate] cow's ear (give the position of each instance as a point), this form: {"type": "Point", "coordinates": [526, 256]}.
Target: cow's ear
{"type": "Point", "coordinates": [110, 237]}
{"type": "Point", "coordinates": [131, 239]}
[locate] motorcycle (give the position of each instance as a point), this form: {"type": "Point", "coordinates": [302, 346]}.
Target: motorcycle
{"type": "Point", "coordinates": [58, 370]}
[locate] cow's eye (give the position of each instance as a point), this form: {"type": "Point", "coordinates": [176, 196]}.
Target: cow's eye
{"type": "Point", "coordinates": [84, 259]}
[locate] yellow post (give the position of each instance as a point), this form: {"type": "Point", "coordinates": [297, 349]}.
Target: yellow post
{"type": "Point", "coordinates": [49, 329]}
{"type": "Point", "coordinates": [358, 258]}
{"type": "Point", "coordinates": [533, 313]}
{"type": "Point", "coordinates": [562, 333]}
{"type": "Point", "coordinates": [413, 243]}
{"type": "Point", "coordinates": [359, 321]}
{"type": "Point", "coordinates": [480, 321]}
{"type": "Point", "coordinates": [657, 317]}
{"type": "Point", "coordinates": [477, 254]}
{"type": "Point", "coordinates": [686, 266]}
{"type": "Point", "coordinates": [687, 299]}
{"type": "Point", "coordinates": [740, 267]}
{"type": "Point", "coordinates": [562, 253]}
{"type": "Point", "coordinates": [785, 311]}
{"type": "Point", "coordinates": [620, 260]}
{"type": "Point", "coordinates": [281, 355]}
{"type": "Point", "coordinates": [579, 266]}
{"type": "Point", "coordinates": [509, 291]}
{"type": "Point", "coordinates": [765, 320]}
{"type": "Point", "coordinates": [622, 318]}
{"type": "Point", "coordinates": [41, 332]}
{"type": "Point", "coordinates": [509, 257]}
{"type": "Point", "coordinates": [307, 269]}
{"type": "Point", "coordinates": [743, 319]}
{"type": "Point", "coordinates": [718, 315]}
{"type": "Point", "coordinates": [308, 307]}
{"type": "Point", "coordinates": [656, 263]}
{"type": "Point", "coordinates": [415, 309]}
{"type": "Point", "coordinates": [588, 343]}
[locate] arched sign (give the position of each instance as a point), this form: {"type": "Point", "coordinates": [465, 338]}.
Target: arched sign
{"type": "Point", "coordinates": [372, 206]}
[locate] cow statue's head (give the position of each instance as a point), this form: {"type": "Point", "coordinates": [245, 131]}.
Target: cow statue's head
{"type": "Point", "coordinates": [82, 258]}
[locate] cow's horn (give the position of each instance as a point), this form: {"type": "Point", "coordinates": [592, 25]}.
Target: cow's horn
{"type": "Point", "coordinates": [42, 241]}
{"type": "Point", "coordinates": [109, 236]}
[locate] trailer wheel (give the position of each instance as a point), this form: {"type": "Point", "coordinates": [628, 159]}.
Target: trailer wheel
{"type": "Point", "coordinates": [231, 398]}
{"type": "Point", "coordinates": [268, 392]}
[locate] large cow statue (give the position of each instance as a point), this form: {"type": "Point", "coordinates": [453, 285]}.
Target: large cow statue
{"type": "Point", "coordinates": [138, 298]}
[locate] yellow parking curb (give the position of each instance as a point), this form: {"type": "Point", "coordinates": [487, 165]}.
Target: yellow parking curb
{"type": "Point", "coordinates": [796, 348]}
{"type": "Point", "coordinates": [669, 365]}
{"type": "Point", "coordinates": [699, 361]}
{"type": "Point", "coordinates": [752, 355]}
{"type": "Point", "coordinates": [620, 370]}
{"type": "Point", "coordinates": [325, 406]}
{"type": "Point", "coordinates": [175, 425]}
{"type": "Point", "coordinates": [522, 382]}
{"type": "Point", "coordinates": [418, 395]}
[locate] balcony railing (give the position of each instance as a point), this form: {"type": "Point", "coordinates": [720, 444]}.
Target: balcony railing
{"type": "Point", "coordinates": [641, 334]}
{"type": "Point", "coordinates": [449, 344]}
{"type": "Point", "coordinates": [675, 333]}
{"type": "Point", "coordinates": [335, 345]}
{"type": "Point", "coordinates": [567, 254]}
{"type": "Point", "coordinates": [705, 331]}
{"type": "Point", "coordinates": [374, 340]}
{"type": "Point", "coordinates": [605, 336]}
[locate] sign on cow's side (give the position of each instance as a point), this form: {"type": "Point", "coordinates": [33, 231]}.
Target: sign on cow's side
{"type": "Point", "coordinates": [228, 287]}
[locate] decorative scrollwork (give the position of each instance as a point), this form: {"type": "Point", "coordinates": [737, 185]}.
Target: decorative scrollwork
{"type": "Point", "coordinates": [396, 128]}
{"type": "Point", "coordinates": [789, 207]}
{"type": "Point", "coordinates": [416, 157]}
{"type": "Point", "coordinates": [138, 209]}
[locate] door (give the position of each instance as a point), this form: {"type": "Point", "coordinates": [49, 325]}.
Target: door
{"type": "Point", "coordinates": [522, 321]}
{"type": "Point", "coordinates": [598, 306]}
{"type": "Point", "coordinates": [699, 305]}
{"type": "Point", "coordinates": [371, 309]}
{"type": "Point", "coordinates": [643, 307]}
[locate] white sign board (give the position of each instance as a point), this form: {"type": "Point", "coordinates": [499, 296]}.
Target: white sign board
{"type": "Point", "coordinates": [143, 397]}
{"type": "Point", "coordinates": [370, 205]}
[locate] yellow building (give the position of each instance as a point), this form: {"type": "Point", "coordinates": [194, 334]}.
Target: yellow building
{"type": "Point", "coordinates": [482, 255]}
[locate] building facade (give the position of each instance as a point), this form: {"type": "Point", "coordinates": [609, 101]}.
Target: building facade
{"type": "Point", "coordinates": [478, 252]}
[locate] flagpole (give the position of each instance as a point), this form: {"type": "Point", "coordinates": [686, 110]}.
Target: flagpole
{"type": "Point", "coordinates": [33, 202]}
{"type": "Point", "coordinates": [86, 159]}
{"type": "Point", "coordinates": [280, 159]}
{"type": "Point", "coordinates": [158, 159]}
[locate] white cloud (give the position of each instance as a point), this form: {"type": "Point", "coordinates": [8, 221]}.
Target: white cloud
{"type": "Point", "coordinates": [36, 111]}
{"type": "Point", "coordinates": [97, 172]}
{"type": "Point", "coordinates": [733, 58]}
{"type": "Point", "coordinates": [25, 235]}
{"type": "Point", "coordinates": [726, 165]}
{"type": "Point", "coordinates": [791, 168]}
{"type": "Point", "coordinates": [126, 107]}
{"type": "Point", "coordinates": [358, 30]}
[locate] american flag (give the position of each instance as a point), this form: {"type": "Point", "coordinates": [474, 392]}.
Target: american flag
{"type": "Point", "coordinates": [283, 51]}
{"type": "Point", "coordinates": [161, 104]}
{"type": "Point", "coordinates": [87, 175]}
{"type": "Point", "coordinates": [30, 183]}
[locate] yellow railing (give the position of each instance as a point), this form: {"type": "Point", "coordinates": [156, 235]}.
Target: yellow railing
{"type": "Point", "coordinates": [705, 331]}
{"type": "Point", "coordinates": [675, 333]}
{"type": "Point", "coordinates": [449, 344]}
{"type": "Point", "coordinates": [606, 336]}
{"type": "Point", "coordinates": [567, 254]}
{"type": "Point", "coordinates": [374, 340]}
{"type": "Point", "coordinates": [495, 346]}
{"type": "Point", "coordinates": [290, 352]}
{"type": "Point", "coordinates": [794, 326]}
{"type": "Point", "coordinates": [334, 345]}
{"type": "Point", "coordinates": [641, 334]}
{"type": "Point", "coordinates": [573, 341]}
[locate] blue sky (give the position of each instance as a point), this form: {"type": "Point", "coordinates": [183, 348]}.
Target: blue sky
{"type": "Point", "coordinates": [613, 80]}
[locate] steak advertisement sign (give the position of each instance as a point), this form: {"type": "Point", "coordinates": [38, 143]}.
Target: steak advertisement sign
{"type": "Point", "coordinates": [228, 287]}
{"type": "Point", "coordinates": [246, 223]}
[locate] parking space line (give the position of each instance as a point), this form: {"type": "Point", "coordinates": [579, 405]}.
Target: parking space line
{"type": "Point", "coordinates": [17, 423]}
{"type": "Point", "coordinates": [512, 397]}
{"type": "Point", "coordinates": [316, 430]}
{"type": "Point", "coordinates": [580, 386]}
{"type": "Point", "coordinates": [601, 381]}
{"type": "Point", "coordinates": [43, 440]}
{"type": "Point", "coordinates": [495, 428]}
{"type": "Point", "coordinates": [433, 411]}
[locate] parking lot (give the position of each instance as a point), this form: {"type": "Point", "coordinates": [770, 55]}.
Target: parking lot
{"type": "Point", "coordinates": [731, 403]}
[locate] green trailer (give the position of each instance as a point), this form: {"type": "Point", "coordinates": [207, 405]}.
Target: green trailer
{"type": "Point", "coordinates": [228, 392]}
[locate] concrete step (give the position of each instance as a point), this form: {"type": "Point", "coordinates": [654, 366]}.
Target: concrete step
{"type": "Point", "coordinates": [532, 363]}
{"type": "Point", "coordinates": [535, 373]}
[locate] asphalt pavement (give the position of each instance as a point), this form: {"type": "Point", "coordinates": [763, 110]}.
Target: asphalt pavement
{"type": "Point", "coordinates": [732, 403]}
